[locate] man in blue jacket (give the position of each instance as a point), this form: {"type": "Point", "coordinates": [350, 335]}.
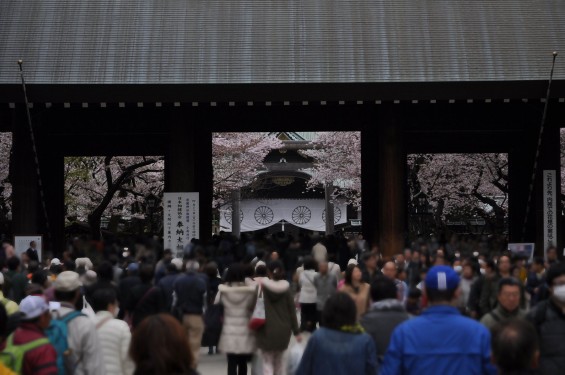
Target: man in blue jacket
{"type": "Point", "coordinates": [441, 340]}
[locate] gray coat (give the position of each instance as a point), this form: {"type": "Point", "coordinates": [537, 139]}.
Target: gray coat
{"type": "Point", "coordinates": [381, 320]}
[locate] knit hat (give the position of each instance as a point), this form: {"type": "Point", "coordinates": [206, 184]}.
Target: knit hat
{"type": "Point", "coordinates": [442, 278]}
{"type": "Point", "coordinates": [32, 307]}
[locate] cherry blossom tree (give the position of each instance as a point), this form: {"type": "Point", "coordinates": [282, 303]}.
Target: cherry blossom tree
{"type": "Point", "coordinates": [461, 185]}
{"type": "Point", "coordinates": [5, 185]}
{"type": "Point", "coordinates": [110, 185]}
{"type": "Point", "coordinates": [236, 159]}
{"type": "Point", "coordinates": [337, 162]}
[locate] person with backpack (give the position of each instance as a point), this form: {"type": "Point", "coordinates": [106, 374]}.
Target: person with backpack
{"type": "Point", "coordinates": [83, 354]}
{"type": "Point", "coordinates": [548, 317]}
{"type": "Point", "coordinates": [27, 350]}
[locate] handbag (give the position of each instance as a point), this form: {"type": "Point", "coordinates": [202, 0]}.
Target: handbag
{"type": "Point", "coordinates": [258, 317]}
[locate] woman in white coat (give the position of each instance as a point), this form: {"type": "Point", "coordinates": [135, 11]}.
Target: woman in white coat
{"type": "Point", "coordinates": [238, 299]}
{"type": "Point", "coordinates": [114, 334]}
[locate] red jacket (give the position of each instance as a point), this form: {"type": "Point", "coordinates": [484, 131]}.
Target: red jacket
{"type": "Point", "coordinates": [39, 361]}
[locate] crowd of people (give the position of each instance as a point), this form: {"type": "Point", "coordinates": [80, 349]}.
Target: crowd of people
{"type": "Point", "coordinates": [282, 306]}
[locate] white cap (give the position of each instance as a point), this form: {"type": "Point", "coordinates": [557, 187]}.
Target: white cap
{"type": "Point", "coordinates": [260, 263]}
{"type": "Point", "coordinates": [352, 261]}
{"type": "Point", "coordinates": [67, 281]}
{"type": "Point", "coordinates": [55, 262]}
{"type": "Point", "coordinates": [33, 306]}
{"type": "Point", "coordinates": [177, 263]}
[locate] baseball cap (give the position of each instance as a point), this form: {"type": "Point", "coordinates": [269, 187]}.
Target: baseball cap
{"type": "Point", "coordinates": [32, 307]}
{"type": "Point", "coordinates": [67, 281]}
{"type": "Point", "coordinates": [259, 264]}
{"type": "Point", "coordinates": [177, 262]}
{"type": "Point", "coordinates": [352, 261]}
{"type": "Point", "coordinates": [55, 262]}
{"type": "Point", "coordinates": [442, 278]}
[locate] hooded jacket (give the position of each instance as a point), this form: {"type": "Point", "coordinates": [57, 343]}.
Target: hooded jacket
{"type": "Point", "coordinates": [280, 316]}
{"type": "Point", "coordinates": [238, 301]}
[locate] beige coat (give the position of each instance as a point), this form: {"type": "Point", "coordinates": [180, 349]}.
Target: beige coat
{"type": "Point", "coordinates": [238, 301]}
{"type": "Point", "coordinates": [361, 297]}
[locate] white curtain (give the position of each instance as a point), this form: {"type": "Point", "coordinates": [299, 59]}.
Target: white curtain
{"type": "Point", "coordinates": [258, 214]}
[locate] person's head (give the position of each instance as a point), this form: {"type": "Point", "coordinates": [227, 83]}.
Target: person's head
{"type": "Point", "coordinates": [13, 264]}
{"type": "Point", "coordinates": [490, 268]}
{"type": "Point", "coordinates": [167, 255]}
{"type": "Point", "coordinates": [509, 293]}
{"type": "Point", "coordinates": [146, 273]}
{"type": "Point", "coordinates": [556, 282]}
{"type": "Point", "coordinates": [177, 264]}
{"type": "Point", "coordinates": [389, 270]}
{"type": "Point", "coordinates": [339, 311]}
{"type": "Point", "coordinates": [407, 255]}
{"type": "Point", "coordinates": [235, 273]}
{"type": "Point", "coordinates": [538, 265]}
{"type": "Point", "coordinates": [274, 256]}
{"type": "Point", "coordinates": [383, 288]}
{"type": "Point", "coordinates": [105, 272]}
{"type": "Point", "coordinates": [399, 259]}
{"type": "Point", "coordinates": [551, 254]}
{"type": "Point", "coordinates": [276, 270]}
{"type": "Point", "coordinates": [35, 310]}
{"type": "Point", "coordinates": [105, 299]}
{"type": "Point", "coordinates": [67, 287]}
{"type": "Point", "coordinates": [504, 264]}
{"type": "Point", "coordinates": [323, 268]}
{"type": "Point", "coordinates": [159, 345]}
{"type": "Point", "coordinates": [40, 278]}
{"type": "Point", "coordinates": [468, 270]}
{"type": "Point", "coordinates": [442, 285]}
{"type": "Point", "coordinates": [33, 244]}
{"type": "Point", "coordinates": [211, 270]}
{"type": "Point", "coordinates": [515, 347]}
{"type": "Point", "coordinates": [370, 261]}
{"type": "Point", "coordinates": [353, 274]}
{"type": "Point", "coordinates": [133, 269]}
{"type": "Point", "coordinates": [309, 263]}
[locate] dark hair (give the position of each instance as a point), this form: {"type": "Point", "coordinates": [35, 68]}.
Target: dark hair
{"type": "Point", "coordinates": [349, 273]}
{"type": "Point", "coordinates": [436, 296]}
{"type": "Point", "coordinates": [368, 256]}
{"type": "Point", "coordinates": [105, 271]}
{"type": "Point", "coordinates": [39, 277]}
{"type": "Point", "coordinates": [56, 269]}
{"type": "Point", "coordinates": [235, 274]}
{"type": "Point", "coordinates": [13, 263]}
{"type": "Point", "coordinates": [277, 270]}
{"type": "Point", "coordinates": [554, 272]}
{"type": "Point", "coordinates": [514, 343]}
{"type": "Point", "coordinates": [491, 264]}
{"type": "Point", "coordinates": [211, 270]}
{"type": "Point", "coordinates": [159, 345]}
{"type": "Point", "coordinates": [383, 288]}
{"type": "Point", "coordinates": [146, 273]}
{"type": "Point", "coordinates": [538, 260]}
{"type": "Point", "coordinates": [33, 266]}
{"type": "Point", "coordinates": [414, 293]}
{"type": "Point", "coordinates": [261, 271]}
{"type": "Point", "coordinates": [310, 263]}
{"type": "Point", "coordinates": [65, 296]}
{"type": "Point", "coordinates": [102, 297]}
{"type": "Point", "coordinates": [69, 265]}
{"type": "Point", "coordinates": [339, 311]}
{"type": "Point", "coordinates": [508, 281]}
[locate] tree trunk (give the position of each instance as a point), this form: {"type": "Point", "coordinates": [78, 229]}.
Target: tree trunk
{"type": "Point", "coordinates": [329, 210]}
{"type": "Point", "coordinates": [94, 221]}
{"type": "Point", "coordinates": [235, 223]}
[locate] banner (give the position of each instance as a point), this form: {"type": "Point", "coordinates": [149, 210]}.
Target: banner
{"type": "Point", "coordinates": [522, 250]}
{"type": "Point", "coordinates": [180, 221]}
{"type": "Point", "coordinates": [304, 213]}
{"type": "Point", "coordinates": [549, 210]}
